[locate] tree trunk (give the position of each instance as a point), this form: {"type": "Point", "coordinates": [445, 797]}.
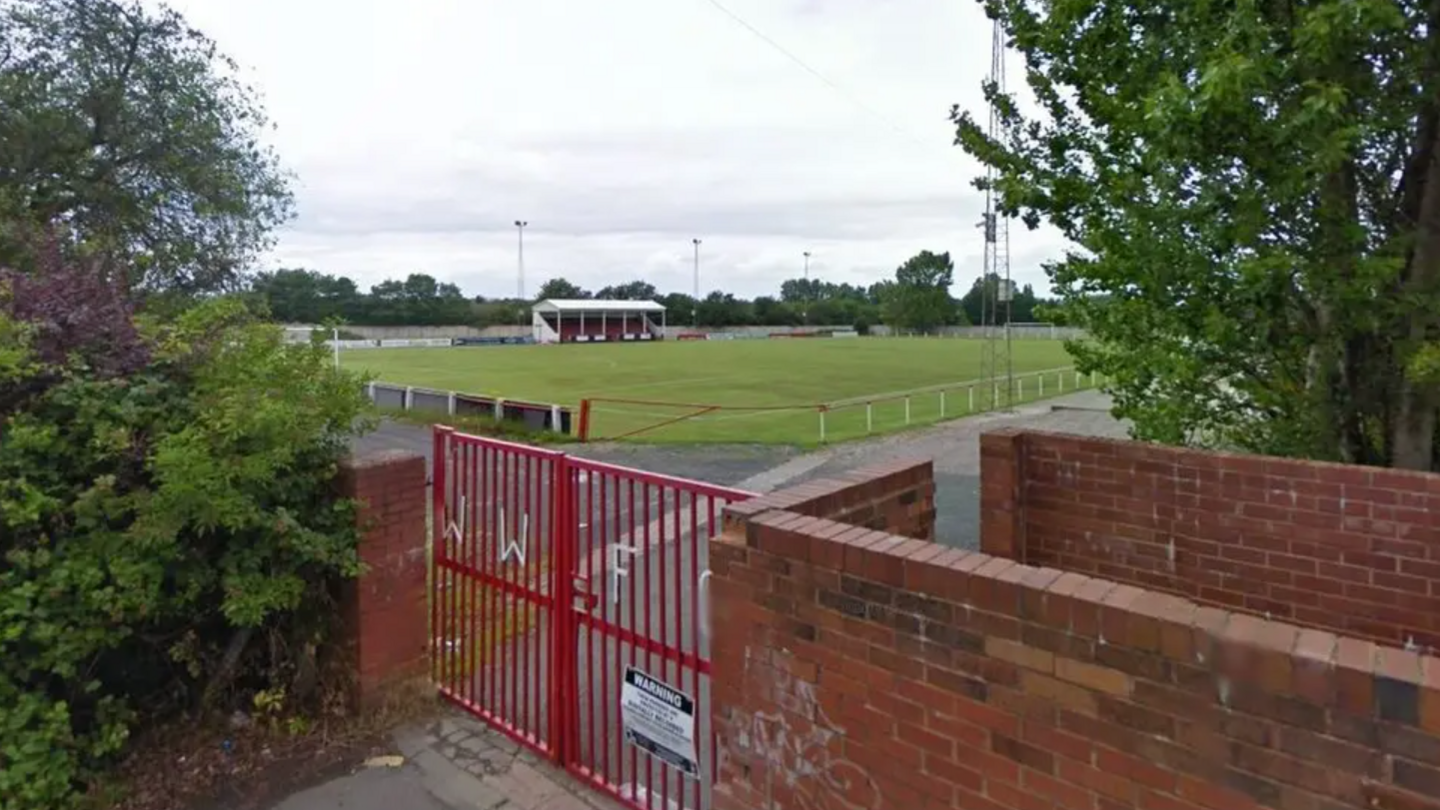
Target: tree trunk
{"type": "Point", "coordinates": [1331, 362]}
{"type": "Point", "coordinates": [1413, 439]}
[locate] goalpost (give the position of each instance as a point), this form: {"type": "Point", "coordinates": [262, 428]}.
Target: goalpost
{"type": "Point", "coordinates": [1034, 329]}
{"type": "Point", "coordinates": [305, 334]}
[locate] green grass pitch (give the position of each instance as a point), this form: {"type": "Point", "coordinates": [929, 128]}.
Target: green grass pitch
{"type": "Point", "coordinates": [638, 386]}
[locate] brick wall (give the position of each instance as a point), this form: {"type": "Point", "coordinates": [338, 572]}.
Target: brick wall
{"type": "Point", "coordinates": [897, 496]}
{"type": "Point", "coordinates": [386, 609]}
{"type": "Point", "coordinates": [857, 669]}
{"type": "Point", "coordinates": [1351, 549]}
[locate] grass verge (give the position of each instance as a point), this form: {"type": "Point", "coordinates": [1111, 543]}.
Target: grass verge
{"type": "Point", "coordinates": [756, 391]}
{"type": "Point", "coordinates": [479, 426]}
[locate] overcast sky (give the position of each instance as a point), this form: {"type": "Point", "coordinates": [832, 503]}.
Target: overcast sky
{"type": "Point", "coordinates": [420, 130]}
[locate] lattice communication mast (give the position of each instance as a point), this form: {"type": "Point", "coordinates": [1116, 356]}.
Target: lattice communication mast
{"type": "Point", "coordinates": [997, 289]}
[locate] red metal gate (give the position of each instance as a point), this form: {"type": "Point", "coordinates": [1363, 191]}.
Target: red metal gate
{"type": "Point", "coordinates": [553, 576]}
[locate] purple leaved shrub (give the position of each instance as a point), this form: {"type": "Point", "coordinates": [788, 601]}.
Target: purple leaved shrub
{"type": "Point", "coordinates": [77, 314]}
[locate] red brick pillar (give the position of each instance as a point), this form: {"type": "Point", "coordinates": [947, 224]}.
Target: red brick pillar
{"type": "Point", "coordinates": [1002, 494]}
{"type": "Point", "coordinates": [386, 609]}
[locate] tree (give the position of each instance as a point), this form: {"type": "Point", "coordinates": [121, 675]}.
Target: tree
{"type": "Point", "coordinates": [295, 295]}
{"type": "Point", "coordinates": [502, 313]}
{"type": "Point", "coordinates": [561, 289]}
{"type": "Point", "coordinates": [418, 300]}
{"type": "Point", "coordinates": [124, 132]}
{"type": "Point", "coordinates": [880, 291]}
{"type": "Point", "coordinates": [804, 290]}
{"type": "Point", "coordinates": [680, 308]}
{"type": "Point", "coordinates": [724, 309]}
{"type": "Point", "coordinates": [973, 302]}
{"type": "Point", "coordinates": [770, 312]}
{"type": "Point", "coordinates": [1255, 192]}
{"type": "Point", "coordinates": [306, 296]}
{"type": "Point", "coordinates": [633, 291]}
{"type": "Point", "coordinates": [920, 297]}
{"type": "Point", "coordinates": [1022, 307]}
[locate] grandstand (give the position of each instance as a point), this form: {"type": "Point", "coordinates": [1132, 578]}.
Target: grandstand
{"type": "Point", "coordinates": [583, 321]}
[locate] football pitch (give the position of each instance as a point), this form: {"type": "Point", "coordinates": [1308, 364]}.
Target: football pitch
{"type": "Point", "coordinates": [742, 391]}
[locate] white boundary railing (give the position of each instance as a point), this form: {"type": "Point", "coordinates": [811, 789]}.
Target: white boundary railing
{"type": "Point", "coordinates": [1028, 387]}
{"type": "Point", "coordinates": [838, 420]}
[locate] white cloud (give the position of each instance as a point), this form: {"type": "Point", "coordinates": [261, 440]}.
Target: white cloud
{"type": "Point", "coordinates": [420, 129]}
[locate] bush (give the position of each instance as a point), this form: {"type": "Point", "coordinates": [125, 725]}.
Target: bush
{"type": "Point", "coordinates": [170, 538]}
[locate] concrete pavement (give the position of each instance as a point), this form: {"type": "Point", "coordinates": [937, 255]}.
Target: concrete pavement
{"type": "Point", "coordinates": [454, 763]}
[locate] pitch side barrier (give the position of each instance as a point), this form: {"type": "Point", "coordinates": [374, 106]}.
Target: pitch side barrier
{"type": "Point", "coordinates": [428, 343]}
{"type": "Point", "coordinates": [625, 419]}
{"type": "Point", "coordinates": [535, 416]}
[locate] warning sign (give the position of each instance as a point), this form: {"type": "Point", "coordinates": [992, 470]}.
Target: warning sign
{"type": "Point", "coordinates": [659, 720]}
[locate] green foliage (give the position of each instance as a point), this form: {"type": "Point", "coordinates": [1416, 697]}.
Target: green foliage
{"type": "Point", "coordinates": [562, 289]}
{"type": "Point", "coordinates": [1025, 307]}
{"type": "Point", "coordinates": [920, 298]}
{"type": "Point", "coordinates": [419, 299]}
{"type": "Point", "coordinates": [153, 522]}
{"type": "Point", "coordinates": [1254, 195]}
{"type": "Point", "coordinates": [306, 296]}
{"type": "Point", "coordinates": [119, 123]}
{"type": "Point", "coordinates": [630, 291]}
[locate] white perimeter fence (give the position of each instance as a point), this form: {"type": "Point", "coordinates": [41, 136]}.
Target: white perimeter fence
{"type": "Point", "coordinates": [616, 418]}
{"type": "Point", "coordinates": [866, 415]}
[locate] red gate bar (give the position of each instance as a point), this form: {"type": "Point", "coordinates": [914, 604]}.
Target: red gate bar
{"type": "Point", "coordinates": [655, 623]}
{"type": "Point", "coordinates": [494, 551]}
{"type": "Point", "coordinates": [551, 574]}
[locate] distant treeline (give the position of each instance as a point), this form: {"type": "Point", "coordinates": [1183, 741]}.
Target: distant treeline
{"type": "Point", "coordinates": [307, 296]}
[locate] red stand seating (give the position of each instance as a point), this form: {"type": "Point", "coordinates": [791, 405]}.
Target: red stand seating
{"type": "Point", "coordinates": [597, 330]}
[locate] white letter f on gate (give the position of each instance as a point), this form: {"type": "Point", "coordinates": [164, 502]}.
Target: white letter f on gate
{"type": "Point", "coordinates": [618, 570]}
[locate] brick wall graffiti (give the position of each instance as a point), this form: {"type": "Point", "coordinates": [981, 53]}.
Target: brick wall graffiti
{"type": "Point", "coordinates": [796, 744]}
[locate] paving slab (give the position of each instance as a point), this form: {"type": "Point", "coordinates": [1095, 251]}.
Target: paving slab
{"type": "Point", "coordinates": [453, 763]}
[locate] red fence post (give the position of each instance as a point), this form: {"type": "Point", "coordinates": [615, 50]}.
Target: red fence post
{"type": "Point", "coordinates": [584, 431]}
{"type": "Point", "coordinates": [564, 629]}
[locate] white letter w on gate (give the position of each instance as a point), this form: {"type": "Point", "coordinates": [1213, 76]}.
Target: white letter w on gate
{"type": "Point", "coordinates": [517, 546]}
{"type": "Point", "coordinates": [455, 533]}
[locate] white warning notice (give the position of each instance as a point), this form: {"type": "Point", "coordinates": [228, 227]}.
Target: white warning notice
{"type": "Point", "coordinates": [659, 720]}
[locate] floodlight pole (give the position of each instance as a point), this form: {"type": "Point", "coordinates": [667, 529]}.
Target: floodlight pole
{"type": "Point", "coordinates": [805, 293]}
{"type": "Point", "coordinates": [695, 305]}
{"type": "Point", "coordinates": [520, 281]}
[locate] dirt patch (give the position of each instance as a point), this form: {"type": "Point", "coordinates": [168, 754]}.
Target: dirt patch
{"type": "Point", "coordinates": [215, 764]}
